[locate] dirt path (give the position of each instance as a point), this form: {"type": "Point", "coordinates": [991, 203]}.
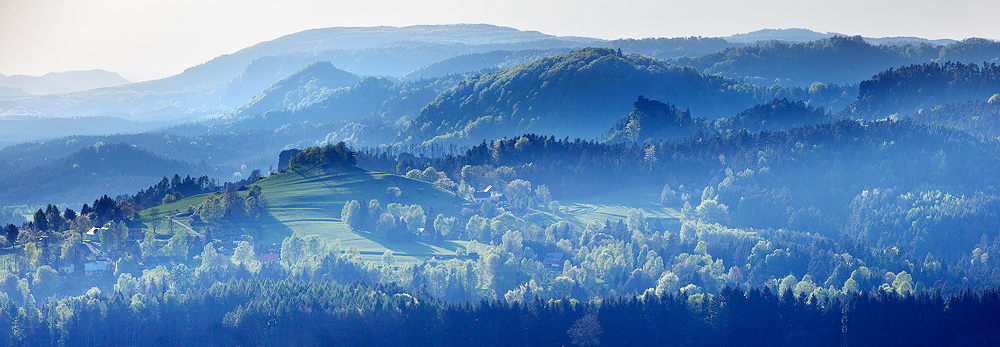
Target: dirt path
{"type": "Point", "coordinates": [171, 218]}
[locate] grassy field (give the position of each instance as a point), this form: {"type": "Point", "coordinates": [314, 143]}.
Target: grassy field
{"type": "Point", "coordinates": [615, 206]}
{"type": "Point", "coordinates": [308, 202]}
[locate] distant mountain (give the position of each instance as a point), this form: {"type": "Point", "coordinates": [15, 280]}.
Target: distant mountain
{"type": "Point", "coordinates": [974, 50]}
{"type": "Point", "coordinates": [578, 94]}
{"type": "Point", "coordinates": [33, 85]}
{"type": "Point", "coordinates": [839, 60]}
{"type": "Point", "coordinates": [907, 40]}
{"type": "Point", "coordinates": [372, 100]}
{"type": "Point", "coordinates": [477, 62]}
{"type": "Point", "coordinates": [806, 35]}
{"type": "Point", "coordinates": [111, 169]}
{"type": "Point", "coordinates": [395, 60]}
{"type": "Point", "coordinates": [664, 48]}
{"type": "Point", "coordinates": [12, 91]}
{"type": "Point", "coordinates": [32, 128]}
{"type": "Point", "coordinates": [221, 84]}
{"type": "Point", "coordinates": [312, 84]}
{"type": "Point", "coordinates": [787, 35]}
{"type": "Point", "coordinates": [908, 89]}
{"type": "Point", "coordinates": [62, 82]}
{"type": "Point", "coordinates": [355, 41]}
{"type": "Point", "coordinates": [86, 80]}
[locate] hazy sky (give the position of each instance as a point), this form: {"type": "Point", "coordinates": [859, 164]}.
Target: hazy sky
{"type": "Point", "coordinates": [144, 39]}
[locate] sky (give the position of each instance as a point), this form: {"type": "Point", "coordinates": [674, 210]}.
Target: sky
{"type": "Point", "coordinates": [148, 39]}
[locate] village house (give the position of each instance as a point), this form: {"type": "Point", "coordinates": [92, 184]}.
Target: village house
{"type": "Point", "coordinates": [423, 234]}
{"type": "Point", "coordinates": [95, 268]}
{"type": "Point", "coordinates": [269, 253]}
{"type": "Point", "coordinates": [481, 197]}
{"type": "Point", "coordinates": [66, 269]}
{"type": "Point", "coordinates": [94, 234]}
{"type": "Point", "coordinates": [136, 234]}
{"type": "Point", "coordinates": [490, 194]}
{"type": "Point", "coordinates": [554, 261]}
{"type": "Point", "coordinates": [269, 257]}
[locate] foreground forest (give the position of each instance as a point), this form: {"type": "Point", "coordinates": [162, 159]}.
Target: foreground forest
{"type": "Point", "coordinates": [527, 192]}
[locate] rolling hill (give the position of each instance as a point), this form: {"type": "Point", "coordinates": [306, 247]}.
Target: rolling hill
{"type": "Point", "coordinates": [908, 89]}
{"type": "Point", "coordinates": [299, 90]}
{"type": "Point", "coordinates": [62, 82]}
{"type": "Point", "coordinates": [578, 94]}
{"type": "Point", "coordinates": [308, 201]}
{"type": "Point", "coordinates": [475, 62]}
{"type": "Point", "coordinates": [94, 171]}
{"type": "Point", "coordinates": [839, 60]}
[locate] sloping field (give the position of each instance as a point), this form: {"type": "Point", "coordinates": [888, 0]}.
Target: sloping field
{"type": "Point", "coordinates": [308, 202]}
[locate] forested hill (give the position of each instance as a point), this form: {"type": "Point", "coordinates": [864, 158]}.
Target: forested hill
{"type": "Point", "coordinates": [777, 114]}
{"type": "Point", "coordinates": [97, 170]}
{"type": "Point", "coordinates": [579, 94]}
{"type": "Point", "coordinates": [371, 100]}
{"type": "Point", "coordinates": [823, 179]}
{"type": "Point", "coordinates": [839, 59]}
{"type": "Point", "coordinates": [906, 90]}
{"type": "Point", "coordinates": [651, 120]}
{"type": "Point", "coordinates": [664, 48]}
{"type": "Point", "coordinates": [976, 117]}
{"type": "Point", "coordinates": [476, 62]}
{"type": "Point", "coordinates": [299, 90]}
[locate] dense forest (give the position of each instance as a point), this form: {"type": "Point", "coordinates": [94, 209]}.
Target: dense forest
{"type": "Point", "coordinates": [262, 311]}
{"type": "Point", "coordinates": [911, 88]}
{"type": "Point", "coordinates": [89, 172]}
{"type": "Point", "coordinates": [836, 60]}
{"type": "Point", "coordinates": [574, 93]}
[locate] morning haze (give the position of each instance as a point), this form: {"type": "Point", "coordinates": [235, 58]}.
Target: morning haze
{"type": "Point", "coordinates": [304, 173]}
{"type": "Point", "coordinates": [146, 40]}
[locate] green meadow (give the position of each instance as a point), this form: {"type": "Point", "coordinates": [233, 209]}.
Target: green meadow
{"type": "Point", "coordinates": [308, 201]}
{"type": "Point", "coordinates": [615, 205]}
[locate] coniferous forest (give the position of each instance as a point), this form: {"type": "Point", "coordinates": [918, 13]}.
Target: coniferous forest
{"type": "Point", "coordinates": [482, 185]}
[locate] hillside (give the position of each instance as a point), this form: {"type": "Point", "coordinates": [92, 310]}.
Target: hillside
{"type": "Point", "coordinates": [652, 121]}
{"type": "Point", "coordinates": [355, 39]}
{"type": "Point", "coordinates": [17, 129]}
{"type": "Point", "coordinates": [578, 94]}
{"type": "Point", "coordinates": [805, 35]}
{"type": "Point", "coordinates": [308, 201]}
{"type": "Point", "coordinates": [664, 48]}
{"type": "Point", "coordinates": [86, 80]}
{"type": "Point", "coordinates": [776, 115]}
{"type": "Point", "coordinates": [94, 171]}
{"type": "Point", "coordinates": [908, 89]}
{"type": "Point", "coordinates": [309, 85]}
{"type": "Point", "coordinates": [476, 62]}
{"type": "Point", "coordinates": [205, 89]}
{"type": "Point", "coordinates": [837, 60]}
{"type": "Point", "coordinates": [374, 103]}
{"type": "Point", "coordinates": [977, 117]}
{"type": "Point", "coordinates": [62, 82]}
